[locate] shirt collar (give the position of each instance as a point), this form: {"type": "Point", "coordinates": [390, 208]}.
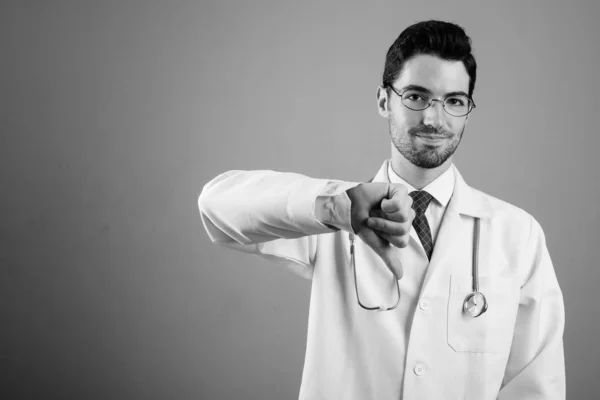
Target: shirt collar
{"type": "Point", "coordinates": [465, 200]}
{"type": "Point", "coordinates": [440, 188]}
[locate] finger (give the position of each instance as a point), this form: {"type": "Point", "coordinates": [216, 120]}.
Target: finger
{"type": "Point", "coordinates": [399, 193]}
{"type": "Point", "coordinates": [387, 226]}
{"type": "Point", "coordinates": [377, 213]}
{"type": "Point", "coordinates": [406, 215]}
{"type": "Point", "coordinates": [398, 241]}
{"type": "Point", "coordinates": [390, 205]}
{"type": "Point", "coordinates": [396, 210]}
{"type": "Point", "coordinates": [396, 203]}
{"type": "Point", "coordinates": [391, 217]}
{"type": "Point", "coordinates": [397, 189]}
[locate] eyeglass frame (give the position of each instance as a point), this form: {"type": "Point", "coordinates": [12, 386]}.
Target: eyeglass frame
{"type": "Point", "coordinates": [431, 102]}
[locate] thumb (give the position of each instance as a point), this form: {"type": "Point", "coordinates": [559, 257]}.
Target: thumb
{"type": "Point", "coordinates": [396, 189]}
{"type": "Point", "coordinates": [388, 206]}
{"type": "Point", "coordinates": [388, 253]}
{"type": "Point", "coordinates": [391, 258]}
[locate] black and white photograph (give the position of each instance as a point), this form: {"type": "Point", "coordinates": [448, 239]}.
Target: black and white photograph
{"type": "Point", "coordinates": [319, 200]}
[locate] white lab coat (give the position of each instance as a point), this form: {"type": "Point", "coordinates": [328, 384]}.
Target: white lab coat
{"type": "Point", "coordinates": [513, 351]}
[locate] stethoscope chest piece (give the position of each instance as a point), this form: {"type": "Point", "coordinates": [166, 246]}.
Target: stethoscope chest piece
{"type": "Point", "coordinates": [475, 304]}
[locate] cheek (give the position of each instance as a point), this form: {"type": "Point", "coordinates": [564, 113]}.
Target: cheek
{"type": "Point", "coordinates": [456, 126]}
{"type": "Point", "coordinates": [405, 119]}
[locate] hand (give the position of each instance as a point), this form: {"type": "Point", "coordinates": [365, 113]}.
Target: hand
{"type": "Point", "coordinates": [381, 215]}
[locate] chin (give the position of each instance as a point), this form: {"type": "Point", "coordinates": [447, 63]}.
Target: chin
{"type": "Point", "coordinates": [429, 162]}
{"type": "Point", "coordinates": [427, 165]}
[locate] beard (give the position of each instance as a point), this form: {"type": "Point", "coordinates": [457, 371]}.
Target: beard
{"type": "Point", "coordinates": [419, 154]}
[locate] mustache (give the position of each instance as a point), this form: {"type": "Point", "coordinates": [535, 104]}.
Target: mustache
{"type": "Point", "coordinates": [430, 131]}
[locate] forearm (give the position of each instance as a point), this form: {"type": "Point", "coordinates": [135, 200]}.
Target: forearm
{"type": "Point", "coordinates": [251, 207]}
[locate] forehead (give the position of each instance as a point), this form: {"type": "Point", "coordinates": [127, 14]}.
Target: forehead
{"type": "Point", "coordinates": [434, 73]}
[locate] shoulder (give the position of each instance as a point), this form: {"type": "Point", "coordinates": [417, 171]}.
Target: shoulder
{"type": "Point", "coordinates": [510, 218]}
{"type": "Point", "coordinates": [499, 208]}
{"type": "Point", "coordinates": [513, 235]}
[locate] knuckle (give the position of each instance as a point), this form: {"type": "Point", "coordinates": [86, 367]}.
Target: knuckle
{"type": "Point", "coordinates": [405, 229]}
{"type": "Point", "coordinates": [403, 216]}
{"type": "Point", "coordinates": [402, 241]}
{"type": "Point", "coordinates": [397, 190]}
{"type": "Point", "coordinates": [405, 240]}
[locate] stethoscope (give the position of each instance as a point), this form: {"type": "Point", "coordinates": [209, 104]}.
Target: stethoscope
{"type": "Point", "coordinates": [474, 304]}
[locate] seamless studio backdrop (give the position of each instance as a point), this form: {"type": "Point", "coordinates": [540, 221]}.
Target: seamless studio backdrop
{"type": "Point", "coordinates": [114, 115]}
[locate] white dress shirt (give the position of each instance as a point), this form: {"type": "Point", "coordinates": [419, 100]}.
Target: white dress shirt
{"type": "Point", "coordinates": [440, 188]}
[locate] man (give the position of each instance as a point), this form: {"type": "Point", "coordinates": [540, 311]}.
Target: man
{"type": "Point", "coordinates": [418, 225]}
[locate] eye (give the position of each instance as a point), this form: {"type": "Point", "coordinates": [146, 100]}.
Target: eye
{"type": "Point", "coordinates": [414, 97]}
{"type": "Point", "coordinates": [456, 101]}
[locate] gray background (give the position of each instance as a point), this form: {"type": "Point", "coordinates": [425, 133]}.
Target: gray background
{"type": "Point", "coordinates": [114, 114]}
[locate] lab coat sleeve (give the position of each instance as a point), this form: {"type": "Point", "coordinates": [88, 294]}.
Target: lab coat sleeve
{"type": "Point", "coordinates": [274, 215]}
{"type": "Point", "coordinates": [536, 366]}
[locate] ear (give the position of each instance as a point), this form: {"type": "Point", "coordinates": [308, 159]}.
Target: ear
{"type": "Point", "coordinates": [383, 105]}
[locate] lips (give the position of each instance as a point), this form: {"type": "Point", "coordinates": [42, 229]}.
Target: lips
{"type": "Point", "coordinates": [433, 137]}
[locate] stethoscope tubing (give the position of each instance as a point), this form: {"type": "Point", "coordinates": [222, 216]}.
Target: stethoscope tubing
{"type": "Point", "coordinates": [476, 258]}
{"type": "Point", "coordinates": [471, 298]}
{"type": "Point", "coordinates": [380, 308]}
{"type": "Point", "coordinates": [477, 308]}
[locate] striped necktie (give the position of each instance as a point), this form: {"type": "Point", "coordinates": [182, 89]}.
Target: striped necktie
{"type": "Point", "coordinates": [421, 200]}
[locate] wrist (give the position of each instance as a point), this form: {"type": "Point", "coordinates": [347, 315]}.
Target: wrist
{"type": "Point", "coordinates": [333, 206]}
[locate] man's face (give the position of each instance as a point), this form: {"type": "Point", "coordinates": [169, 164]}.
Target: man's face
{"type": "Point", "coordinates": [429, 137]}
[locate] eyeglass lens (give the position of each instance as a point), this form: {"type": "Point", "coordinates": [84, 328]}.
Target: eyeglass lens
{"type": "Point", "coordinates": [457, 105]}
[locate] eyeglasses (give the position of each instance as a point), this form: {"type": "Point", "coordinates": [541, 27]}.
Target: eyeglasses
{"type": "Point", "coordinates": [455, 105]}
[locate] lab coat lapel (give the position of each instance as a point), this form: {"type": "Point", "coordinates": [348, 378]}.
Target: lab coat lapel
{"type": "Point", "coordinates": [445, 249]}
{"type": "Point", "coordinates": [465, 202]}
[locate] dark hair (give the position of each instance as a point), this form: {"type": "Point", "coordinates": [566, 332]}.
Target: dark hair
{"type": "Point", "coordinates": [442, 39]}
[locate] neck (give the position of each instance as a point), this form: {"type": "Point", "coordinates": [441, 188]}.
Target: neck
{"type": "Point", "coordinates": [418, 177]}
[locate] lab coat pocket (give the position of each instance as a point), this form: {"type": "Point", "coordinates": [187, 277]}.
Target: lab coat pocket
{"type": "Point", "coordinates": [492, 331]}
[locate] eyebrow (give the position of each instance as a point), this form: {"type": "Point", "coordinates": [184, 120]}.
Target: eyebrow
{"type": "Point", "coordinates": [425, 90]}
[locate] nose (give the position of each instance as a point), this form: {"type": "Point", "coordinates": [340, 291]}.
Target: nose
{"type": "Point", "coordinates": [434, 114]}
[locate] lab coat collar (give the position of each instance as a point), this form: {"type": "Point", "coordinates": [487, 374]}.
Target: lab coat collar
{"type": "Point", "coordinates": [440, 188]}
{"type": "Point", "coordinates": [465, 200]}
